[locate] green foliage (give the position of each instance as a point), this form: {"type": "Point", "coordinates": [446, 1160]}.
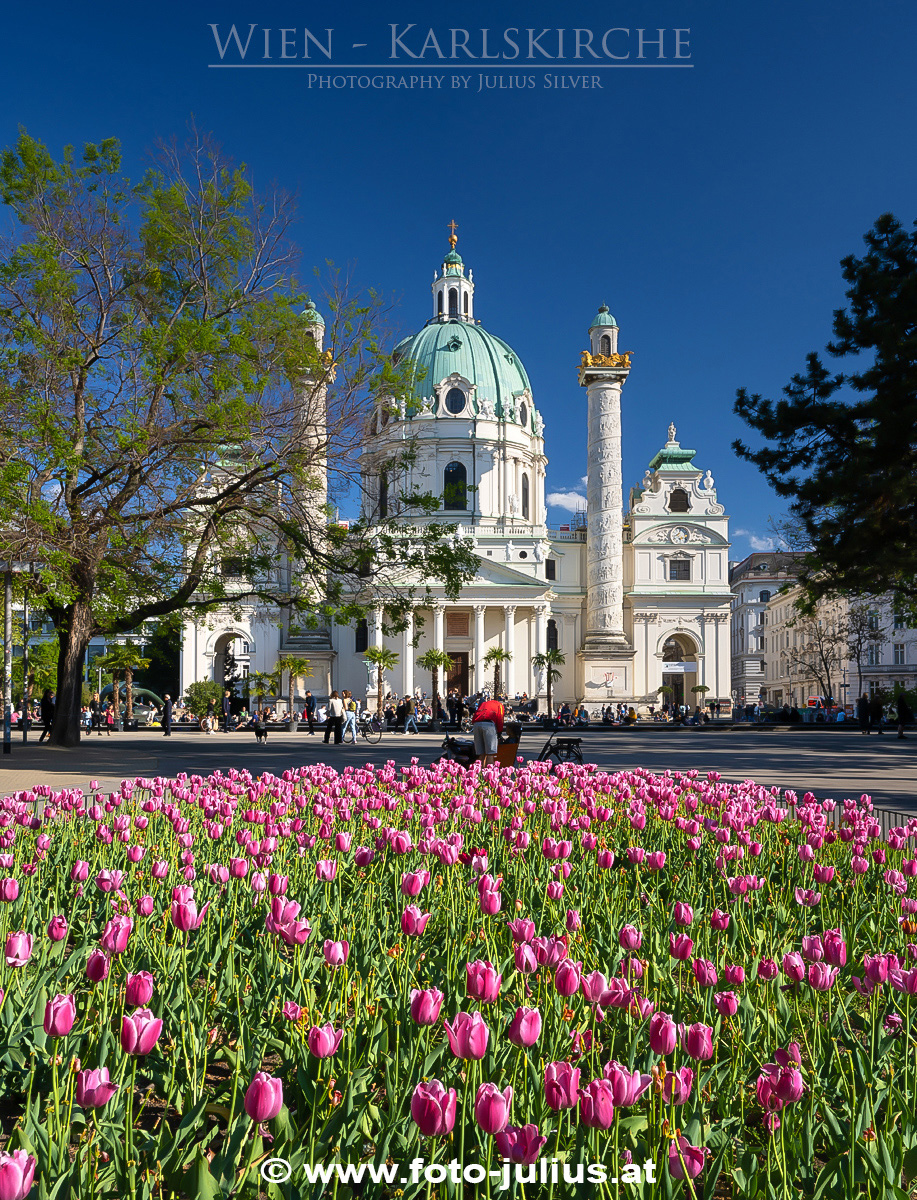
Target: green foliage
{"type": "Point", "coordinates": [549, 662]}
{"type": "Point", "coordinates": [840, 446]}
{"type": "Point", "coordinates": [151, 345]}
{"type": "Point", "coordinates": [199, 695]}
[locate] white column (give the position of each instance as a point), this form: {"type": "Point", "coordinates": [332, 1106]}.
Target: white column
{"type": "Point", "coordinates": [377, 627]}
{"type": "Point", "coordinates": [509, 643]}
{"type": "Point", "coordinates": [541, 644]}
{"type": "Point", "coordinates": [506, 483]}
{"type": "Point", "coordinates": [408, 655]}
{"type": "Point", "coordinates": [437, 626]}
{"type": "Point", "coordinates": [479, 610]}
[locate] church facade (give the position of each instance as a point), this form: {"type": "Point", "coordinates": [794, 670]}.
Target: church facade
{"type": "Point", "coordinates": [636, 600]}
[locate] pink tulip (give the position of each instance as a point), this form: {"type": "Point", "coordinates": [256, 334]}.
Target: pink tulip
{"type": "Point", "coordinates": [160, 870]}
{"type": "Point", "coordinates": [719, 920]}
{"type": "Point", "coordinates": [413, 882]}
{"type": "Point", "coordinates": [821, 977]}
{"type": "Point", "coordinates": [525, 959]}
{"type": "Point", "coordinates": [567, 977]}
{"type": "Point", "coordinates": [676, 1086]}
{"type": "Point", "coordinates": [683, 914]}
{"type": "Point", "coordinates": [492, 1107]}
{"type": "Point", "coordinates": [433, 1108]}
{"type": "Point", "coordinates": [277, 884]}
{"type": "Point", "coordinates": [525, 1027]}
{"type": "Point", "coordinates": [238, 868]}
{"type": "Point", "coordinates": [97, 966]}
{"type": "Point", "coordinates": [9, 890]}
{"type": "Point", "coordinates": [140, 1032]}
{"type": "Point", "coordinates": [876, 968]}
{"type": "Point", "coordinates": [680, 946]}
{"type": "Point", "coordinates": [185, 916]}
{"type": "Point", "coordinates": [93, 1089]}
{"type": "Point", "coordinates": [656, 860]}
{"type": "Point", "coordinates": [326, 869]}
{"type": "Point", "coordinates": [425, 1005]}
{"type": "Point", "coordinates": [109, 881]}
{"type": "Point", "coordinates": [663, 1033]}
{"type": "Point", "coordinates": [555, 890]}
{"type": "Point", "coordinates": [686, 1160]}
{"type": "Point", "coordinates": [342, 842]}
{"type": "Point", "coordinates": [324, 1040]}
{"type": "Point", "coordinates": [835, 948]}
{"type": "Point", "coordinates": [60, 1014]}
{"type": "Point", "coordinates": [593, 986]}
{"type": "Point", "coordinates": [793, 967]}
{"type": "Point", "coordinates": [812, 949]}
{"type": "Point", "coordinates": [57, 929]}
{"type": "Point", "coordinates": [468, 1035]}
{"type": "Point", "coordinates": [573, 921]}
{"type": "Point", "coordinates": [116, 934]}
{"type": "Point", "coordinates": [482, 982]}
{"type": "Point", "coordinates": [522, 930]}
{"type": "Point", "coordinates": [727, 1003]}
{"type": "Point", "coordinates": [705, 972]}
{"type": "Point", "coordinates": [561, 1085]}
{"type": "Point", "coordinates": [294, 933]}
{"type": "Point", "coordinates": [605, 859]}
{"type": "Point", "coordinates": [413, 921]}
{"type": "Point", "coordinates": [17, 1173]}
{"type": "Point", "coordinates": [264, 1097]}
{"type": "Point", "coordinates": [335, 953]}
{"type": "Point", "coordinates": [630, 938]}
{"type": "Point", "coordinates": [734, 974]}
{"type": "Point", "coordinates": [904, 981]}
{"type": "Point", "coordinates": [18, 948]}
{"type": "Point", "coordinates": [767, 969]}
{"type": "Point", "coordinates": [520, 1144]}
{"type": "Point", "coordinates": [291, 1010]}
{"type": "Point", "coordinates": [490, 902]}
{"type": "Point", "coordinates": [363, 856]}
{"type": "Point", "coordinates": [626, 1086]}
{"type": "Point", "coordinates": [145, 906]}
{"type": "Point", "coordinates": [596, 1105]}
{"type": "Point", "coordinates": [697, 1041]}
{"type": "Point", "coordinates": [549, 951]}
{"type": "Point", "coordinates": [138, 991]}
{"type": "Point", "coordinates": [79, 872]}
{"type": "Point", "coordinates": [806, 897]}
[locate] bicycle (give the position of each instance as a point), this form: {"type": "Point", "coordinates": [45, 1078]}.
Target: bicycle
{"type": "Point", "coordinates": [561, 749]}
{"type": "Point", "coordinates": [370, 728]}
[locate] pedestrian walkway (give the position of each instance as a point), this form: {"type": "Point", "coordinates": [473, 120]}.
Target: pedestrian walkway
{"type": "Point", "coordinates": [838, 766]}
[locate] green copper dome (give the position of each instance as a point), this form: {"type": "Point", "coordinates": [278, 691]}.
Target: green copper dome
{"type": "Point", "coordinates": [444, 348]}
{"type": "Point", "coordinates": [604, 317]}
{"type": "Point", "coordinates": [311, 315]}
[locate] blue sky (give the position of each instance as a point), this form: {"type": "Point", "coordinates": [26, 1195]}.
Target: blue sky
{"type": "Point", "coordinates": [707, 205]}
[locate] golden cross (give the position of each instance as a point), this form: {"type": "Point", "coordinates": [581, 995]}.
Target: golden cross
{"type": "Point", "coordinates": [452, 238]}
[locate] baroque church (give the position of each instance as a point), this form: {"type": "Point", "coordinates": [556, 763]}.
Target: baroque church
{"type": "Point", "coordinates": [636, 599]}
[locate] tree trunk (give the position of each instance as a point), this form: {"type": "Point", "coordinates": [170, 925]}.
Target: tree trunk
{"type": "Point", "coordinates": [128, 694]}
{"type": "Point", "coordinates": [73, 636]}
{"type": "Point", "coordinates": [496, 681]}
{"type": "Point", "coordinates": [434, 714]}
{"type": "Point", "coordinates": [379, 690]}
{"type": "Point", "coordinates": [550, 697]}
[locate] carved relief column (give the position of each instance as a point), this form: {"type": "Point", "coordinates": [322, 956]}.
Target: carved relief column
{"type": "Point", "coordinates": [437, 626]}
{"type": "Point", "coordinates": [509, 645]}
{"type": "Point", "coordinates": [407, 655]}
{"type": "Point", "coordinates": [377, 627]}
{"type": "Point", "coordinates": [479, 610]}
{"type": "Point", "coordinates": [541, 644]}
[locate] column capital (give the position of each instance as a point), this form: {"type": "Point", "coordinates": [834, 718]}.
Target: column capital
{"type": "Point", "coordinates": [438, 607]}
{"type": "Point", "coordinates": [480, 609]}
{"type": "Point", "coordinates": [509, 609]}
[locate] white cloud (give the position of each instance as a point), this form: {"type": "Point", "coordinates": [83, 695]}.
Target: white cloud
{"type": "Point", "coordinates": [571, 501]}
{"type": "Point", "coordinates": [761, 544]}
{"type": "Point", "coordinates": [584, 479]}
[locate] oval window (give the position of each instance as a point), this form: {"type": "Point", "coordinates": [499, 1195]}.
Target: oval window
{"type": "Point", "coordinates": [523, 416]}
{"type": "Point", "coordinates": [455, 400]}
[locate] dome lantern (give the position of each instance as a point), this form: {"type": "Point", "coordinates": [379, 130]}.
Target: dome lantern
{"type": "Point", "coordinates": [453, 294]}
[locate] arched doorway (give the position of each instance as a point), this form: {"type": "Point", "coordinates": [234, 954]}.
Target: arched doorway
{"type": "Point", "coordinates": [679, 670]}
{"type": "Point", "coordinates": [240, 651]}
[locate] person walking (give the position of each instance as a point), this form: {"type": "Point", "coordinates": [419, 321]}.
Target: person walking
{"type": "Point", "coordinates": [863, 713]}
{"type": "Point", "coordinates": [902, 708]}
{"type": "Point", "coordinates": [167, 715]}
{"type": "Point", "coordinates": [310, 712]}
{"type": "Point", "coordinates": [109, 716]}
{"type": "Point", "coordinates": [46, 709]}
{"type": "Point", "coordinates": [876, 712]}
{"type": "Point", "coordinates": [487, 725]}
{"type": "Point", "coordinates": [95, 714]}
{"type": "Point", "coordinates": [410, 720]}
{"type": "Point", "coordinates": [350, 718]}
{"type": "Point", "coordinates": [227, 710]}
{"type": "Point", "coordinates": [335, 719]}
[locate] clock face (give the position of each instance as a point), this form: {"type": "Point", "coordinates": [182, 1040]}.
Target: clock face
{"type": "Point", "coordinates": [679, 535]}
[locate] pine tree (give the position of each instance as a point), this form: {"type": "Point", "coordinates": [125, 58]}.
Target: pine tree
{"type": "Point", "coordinates": [843, 447]}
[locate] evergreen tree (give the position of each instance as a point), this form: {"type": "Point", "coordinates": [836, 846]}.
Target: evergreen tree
{"type": "Point", "coordinates": [843, 447]}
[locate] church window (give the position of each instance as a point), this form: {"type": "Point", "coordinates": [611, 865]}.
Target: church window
{"type": "Point", "coordinates": [361, 637]}
{"type": "Point", "coordinates": [552, 635]}
{"type": "Point", "coordinates": [455, 400]}
{"type": "Point", "coordinates": [383, 493]}
{"type": "Point", "coordinates": [605, 345]}
{"type": "Point", "coordinates": [523, 553]}
{"type": "Point", "coordinates": [455, 487]}
{"type": "Point", "coordinates": [679, 569]}
{"type": "Point", "coordinates": [465, 304]}
{"type": "Point", "coordinates": [763, 597]}
{"type": "Point", "coordinates": [439, 303]}
{"type": "Point", "coordinates": [453, 302]}
{"type": "Point", "coordinates": [678, 500]}
{"type": "Point", "coordinates": [550, 568]}
{"type": "Point", "coordinates": [523, 416]}
{"type": "Point", "coordinates": [525, 497]}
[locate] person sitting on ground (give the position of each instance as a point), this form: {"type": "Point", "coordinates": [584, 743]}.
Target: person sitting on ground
{"type": "Point", "coordinates": [564, 714]}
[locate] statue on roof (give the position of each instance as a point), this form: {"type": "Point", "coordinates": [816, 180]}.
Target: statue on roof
{"type": "Point", "coordinates": [672, 432]}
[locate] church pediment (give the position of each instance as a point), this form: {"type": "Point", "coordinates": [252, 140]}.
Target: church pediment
{"type": "Point", "coordinates": [679, 535]}
{"type": "Point", "coordinates": [501, 574]}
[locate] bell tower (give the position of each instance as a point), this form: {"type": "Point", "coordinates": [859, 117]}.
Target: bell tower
{"type": "Point", "coordinates": [607, 654]}
{"type": "Point", "coordinates": [453, 294]}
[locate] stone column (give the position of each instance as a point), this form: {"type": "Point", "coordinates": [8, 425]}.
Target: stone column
{"type": "Point", "coordinates": [604, 542]}
{"type": "Point", "coordinates": [377, 627]}
{"type": "Point", "coordinates": [437, 626]}
{"type": "Point", "coordinates": [509, 674]}
{"type": "Point", "coordinates": [407, 657]}
{"type": "Point", "coordinates": [479, 610]}
{"type": "Point", "coordinates": [541, 644]}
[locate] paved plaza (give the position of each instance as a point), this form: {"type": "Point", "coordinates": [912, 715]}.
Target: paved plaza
{"type": "Point", "coordinates": [829, 762]}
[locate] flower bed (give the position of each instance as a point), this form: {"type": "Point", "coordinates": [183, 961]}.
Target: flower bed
{"type": "Point", "coordinates": [663, 982]}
